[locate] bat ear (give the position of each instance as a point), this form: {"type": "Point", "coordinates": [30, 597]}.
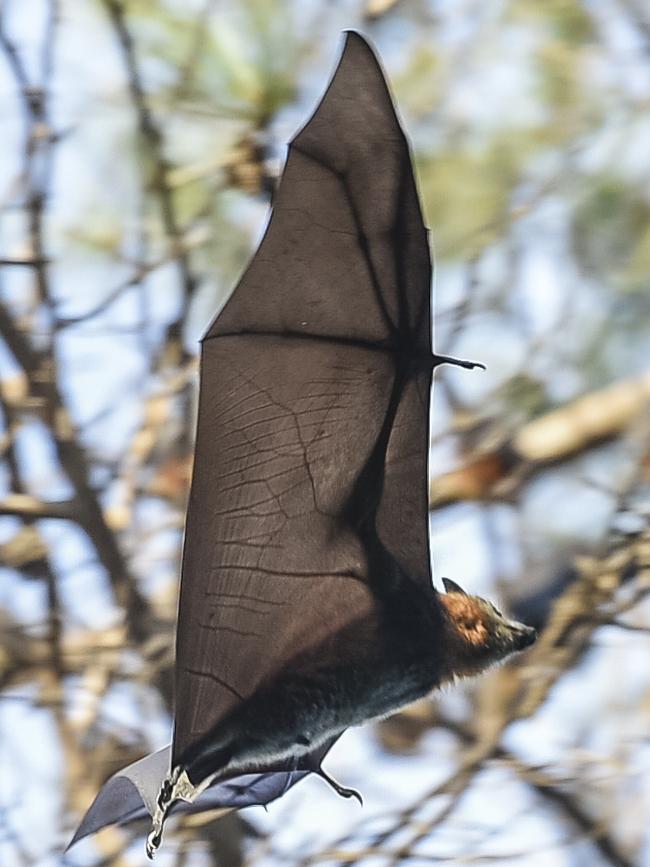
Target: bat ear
{"type": "Point", "coordinates": [452, 587]}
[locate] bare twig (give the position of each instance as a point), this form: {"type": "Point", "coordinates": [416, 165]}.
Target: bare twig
{"type": "Point", "coordinates": [153, 136]}
{"type": "Point", "coordinates": [548, 440]}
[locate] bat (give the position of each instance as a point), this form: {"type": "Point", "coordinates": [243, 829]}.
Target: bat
{"type": "Point", "coordinates": [307, 603]}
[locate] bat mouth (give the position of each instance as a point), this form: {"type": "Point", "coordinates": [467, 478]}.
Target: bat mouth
{"type": "Point", "coordinates": [524, 637]}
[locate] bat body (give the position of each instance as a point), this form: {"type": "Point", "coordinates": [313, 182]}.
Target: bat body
{"type": "Point", "coordinates": [369, 670]}
{"type": "Point", "coordinates": [306, 601]}
{"type": "Point", "coordinates": [387, 659]}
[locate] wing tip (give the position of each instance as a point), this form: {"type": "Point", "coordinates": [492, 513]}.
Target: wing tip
{"type": "Point", "coordinates": [354, 40]}
{"type": "Point", "coordinates": [119, 801]}
{"type": "Point", "coordinates": [358, 60]}
{"type": "Point", "coordinates": [353, 35]}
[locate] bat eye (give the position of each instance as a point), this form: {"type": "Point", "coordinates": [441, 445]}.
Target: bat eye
{"type": "Point", "coordinates": [469, 624]}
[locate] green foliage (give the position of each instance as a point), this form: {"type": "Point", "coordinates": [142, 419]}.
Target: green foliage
{"type": "Point", "coordinates": [566, 20]}
{"type": "Point", "coordinates": [418, 85]}
{"type": "Point", "coordinates": [558, 74]}
{"type": "Point", "coordinates": [232, 245]}
{"type": "Point", "coordinates": [563, 33]}
{"type": "Point", "coordinates": [611, 234]}
{"type": "Point", "coordinates": [241, 62]}
{"type": "Point", "coordinates": [637, 272]}
{"type": "Point", "coordinates": [99, 232]}
{"type": "Point", "coordinates": [467, 192]}
{"type": "Point", "coordinates": [522, 397]}
{"type": "Point", "coordinates": [565, 89]}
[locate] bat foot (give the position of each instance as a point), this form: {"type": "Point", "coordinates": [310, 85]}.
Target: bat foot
{"type": "Point", "coordinates": [175, 787]}
{"type": "Point", "coordinates": [459, 362]}
{"type": "Point", "coordinates": [346, 792]}
{"type": "Point", "coordinates": [154, 839]}
{"type": "Point", "coordinates": [343, 791]}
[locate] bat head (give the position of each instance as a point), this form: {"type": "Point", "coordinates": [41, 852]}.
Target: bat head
{"type": "Point", "coordinates": [478, 633]}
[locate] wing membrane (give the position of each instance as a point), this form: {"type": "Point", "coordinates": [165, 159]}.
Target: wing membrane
{"type": "Point", "coordinates": [313, 422]}
{"type": "Point", "coordinates": [269, 568]}
{"type": "Point", "coordinates": [346, 250]}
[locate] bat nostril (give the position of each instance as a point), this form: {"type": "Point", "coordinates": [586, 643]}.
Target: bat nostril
{"type": "Point", "coordinates": [526, 637]}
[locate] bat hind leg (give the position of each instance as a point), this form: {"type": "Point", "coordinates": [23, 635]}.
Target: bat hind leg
{"type": "Point", "coordinates": [343, 791]}
{"type": "Point", "coordinates": [178, 785]}
{"type": "Point", "coordinates": [175, 787]}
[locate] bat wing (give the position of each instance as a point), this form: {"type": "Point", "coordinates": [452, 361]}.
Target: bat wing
{"type": "Point", "coordinates": [345, 256]}
{"type": "Point", "coordinates": [130, 795]}
{"type": "Point", "coordinates": [310, 479]}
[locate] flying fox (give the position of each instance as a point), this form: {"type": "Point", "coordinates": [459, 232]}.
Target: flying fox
{"type": "Point", "coordinates": [307, 604]}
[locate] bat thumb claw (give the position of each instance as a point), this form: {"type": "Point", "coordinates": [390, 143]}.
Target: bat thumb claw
{"type": "Point", "coordinates": [459, 362]}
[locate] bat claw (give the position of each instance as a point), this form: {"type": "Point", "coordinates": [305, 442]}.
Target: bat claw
{"type": "Point", "coordinates": [343, 791]}
{"type": "Point", "coordinates": [154, 839]}
{"type": "Point", "coordinates": [459, 362]}
{"type": "Point", "coordinates": [175, 787]}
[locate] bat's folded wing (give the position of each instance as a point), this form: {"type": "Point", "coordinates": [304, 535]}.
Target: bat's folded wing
{"type": "Point", "coordinates": [128, 795]}
{"type": "Point", "coordinates": [131, 793]}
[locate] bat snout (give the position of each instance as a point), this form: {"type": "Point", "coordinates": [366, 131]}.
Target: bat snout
{"type": "Point", "coordinates": [524, 636]}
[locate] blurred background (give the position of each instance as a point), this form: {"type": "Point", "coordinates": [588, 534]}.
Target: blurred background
{"type": "Point", "coordinates": [141, 142]}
